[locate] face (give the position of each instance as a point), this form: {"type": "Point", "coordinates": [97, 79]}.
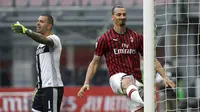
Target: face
{"type": "Point", "coordinates": [42, 25]}
{"type": "Point", "coordinates": [119, 16]}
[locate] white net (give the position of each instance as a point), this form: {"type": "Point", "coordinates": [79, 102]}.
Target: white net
{"type": "Point", "coordinates": [178, 49]}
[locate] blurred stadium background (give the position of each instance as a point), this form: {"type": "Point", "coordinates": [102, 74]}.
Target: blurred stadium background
{"type": "Point", "coordinates": [78, 23]}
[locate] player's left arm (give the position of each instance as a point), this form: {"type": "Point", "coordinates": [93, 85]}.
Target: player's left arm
{"type": "Point", "coordinates": [161, 71]}
{"type": "Point", "coordinates": [158, 66]}
{"type": "Point", "coordinates": [19, 28]}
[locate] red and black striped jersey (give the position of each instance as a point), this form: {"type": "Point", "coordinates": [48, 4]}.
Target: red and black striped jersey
{"type": "Point", "coordinates": [121, 52]}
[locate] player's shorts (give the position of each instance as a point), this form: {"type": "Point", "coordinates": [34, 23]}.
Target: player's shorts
{"type": "Point", "coordinates": [47, 99]}
{"type": "Point", "coordinates": [116, 85]}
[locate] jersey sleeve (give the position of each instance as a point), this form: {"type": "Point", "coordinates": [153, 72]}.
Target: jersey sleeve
{"type": "Point", "coordinates": [100, 47]}
{"type": "Point", "coordinates": [56, 40]}
{"type": "Point", "coordinates": [140, 44]}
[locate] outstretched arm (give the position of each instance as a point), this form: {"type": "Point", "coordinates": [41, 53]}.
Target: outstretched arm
{"type": "Point", "coordinates": [39, 38]}
{"type": "Point", "coordinates": [19, 28]}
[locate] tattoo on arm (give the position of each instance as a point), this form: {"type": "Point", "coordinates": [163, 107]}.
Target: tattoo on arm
{"type": "Point", "coordinates": [92, 69]}
{"type": "Point", "coordinates": [96, 59]}
{"type": "Point", "coordinates": [39, 38]}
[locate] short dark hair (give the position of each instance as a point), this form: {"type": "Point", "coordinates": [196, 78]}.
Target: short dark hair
{"type": "Point", "coordinates": [50, 18]}
{"type": "Point", "coordinates": [116, 6]}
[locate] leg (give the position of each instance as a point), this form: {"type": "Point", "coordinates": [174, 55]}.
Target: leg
{"type": "Point", "coordinates": [134, 106]}
{"type": "Point", "coordinates": [140, 110]}
{"type": "Point", "coordinates": [60, 96]}
{"type": "Point", "coordinates": [120, 84]}
{"type": "Point", "coordinates": [130, 89]}
{"type": "Point", "coordinates": [52, 99]}
{"type": "Point", "coordinates": [37, 101]}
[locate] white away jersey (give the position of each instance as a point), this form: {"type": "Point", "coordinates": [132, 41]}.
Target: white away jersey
{"type": "Point", "coordinates": [48, 64]}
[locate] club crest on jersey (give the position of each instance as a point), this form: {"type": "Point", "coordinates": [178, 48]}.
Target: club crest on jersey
{"type": "Point", "coordinates": [131, 39]}
{"type": "Point", "coordinates": [115, 40]}
{"type": "Point", "coordinates": [125, 50]}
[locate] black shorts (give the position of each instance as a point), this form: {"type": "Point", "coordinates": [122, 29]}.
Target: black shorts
{"type": "Point", "coordinates": [47, 99]}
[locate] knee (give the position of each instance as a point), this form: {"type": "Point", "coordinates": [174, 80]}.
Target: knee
{"type": "Point", "coordinates": [126, 82]}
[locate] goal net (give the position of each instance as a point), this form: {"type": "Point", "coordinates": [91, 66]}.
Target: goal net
{"type": "Point", "coordinates": [178, 49]}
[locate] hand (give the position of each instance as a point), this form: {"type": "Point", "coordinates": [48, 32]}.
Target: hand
{"type": "Point", "coordinates": [34, 93]}
{"type": "Point", "coordinates": [82, 90]}
{"type": "Point", "coordinates": [18, 28]}
{"type": "Point", "coordinates": [167, 82]}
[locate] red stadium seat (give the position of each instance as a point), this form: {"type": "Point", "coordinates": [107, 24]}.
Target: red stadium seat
{"type": "Point", "coordinates": [52, 2]}
{"type": "Point", "coordinates": [21, 3]}
{"type": "Point", "coordinates": [66, 2]}
{"type": "Point", "coordinates": [128, 3]}
{"type": "Point", "coordinates": [6, 3]}
{"type": "Point", "coordinates": [92, 2]}
{"type": "Point", "coordinates": [35, 2]}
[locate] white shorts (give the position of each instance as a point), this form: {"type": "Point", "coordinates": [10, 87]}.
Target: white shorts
{"type": "Point", "coordinates": [115, 84]}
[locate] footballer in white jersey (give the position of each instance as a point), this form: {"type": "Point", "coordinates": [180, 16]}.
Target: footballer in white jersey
{"type": "Point", "coordinates": [48, 64]}
{"type": "Point", "coordinates": [49, 91]}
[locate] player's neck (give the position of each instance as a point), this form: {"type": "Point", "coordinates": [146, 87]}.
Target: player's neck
{"type": "Point", "coordinates": [46, 34]}
{"type": "Point", "coordinates": [120, 29]}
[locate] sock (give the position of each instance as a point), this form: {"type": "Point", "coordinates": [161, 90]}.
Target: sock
{"type": "Point", "coordinates": [133, 94]}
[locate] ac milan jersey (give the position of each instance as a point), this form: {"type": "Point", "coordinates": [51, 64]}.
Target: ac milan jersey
{"type": "Point", "coordinates": [48, 64]}
{"type": "Point", "coordinates": [121, 52]}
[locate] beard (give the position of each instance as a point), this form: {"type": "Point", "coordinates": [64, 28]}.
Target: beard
{"type": "Point", "coordinates": [37, 31]}
{"type": "Point", "coordinates": [40, 31]}
{"type": "Point", "coordinates": [121, 22]}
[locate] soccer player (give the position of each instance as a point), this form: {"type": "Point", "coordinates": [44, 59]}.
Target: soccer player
{"type": "Point", "coordinates": [122, 48]}
{"type": "Point", "coordinates": [49, 91]}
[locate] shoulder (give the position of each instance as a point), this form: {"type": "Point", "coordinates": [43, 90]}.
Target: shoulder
{"type": "Point", "coordinates": [137, 34]}
{"type": "Point", "coordinates": [55, 39]}
{"type": "Point", "coordinates": [106, 34]}
{"type": "Point", "coordinates": [54, 36]}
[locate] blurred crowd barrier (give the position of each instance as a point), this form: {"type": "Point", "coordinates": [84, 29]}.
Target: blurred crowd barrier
{"type": "Point", "coordinates": [99, 99]}
{"type": "Point", "coordinates": [127, 3]}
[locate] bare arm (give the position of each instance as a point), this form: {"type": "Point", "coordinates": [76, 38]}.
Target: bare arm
{"type": "Point", "coordinates": [92, 69]}
{"type": "Point", "coordinates": [39, 38]}
{"type": "Point", "coordinates": [160, 69]}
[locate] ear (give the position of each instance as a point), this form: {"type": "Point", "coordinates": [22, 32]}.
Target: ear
{"type": "Point", "coordinates": [112, 18]}
{"type": "Point", "coordinates": [49, 26]}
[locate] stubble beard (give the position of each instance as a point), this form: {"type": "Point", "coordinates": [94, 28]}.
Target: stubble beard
{"type": "Point", "coordinates": [121, 22]}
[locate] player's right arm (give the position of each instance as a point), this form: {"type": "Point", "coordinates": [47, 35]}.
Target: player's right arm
{"type": "Point", "coordinates": [100, 50]}
{"type": "Point", "coordinates": [91, 71]}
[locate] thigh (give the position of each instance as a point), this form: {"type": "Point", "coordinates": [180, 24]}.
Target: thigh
{"type": "Point", "coordinates": [52, 99]}
{"type": "Point", "coordinates": [37, 101]}
{"type": "Point", "coordinates": [116, 84]}
{"type": "Point", "coordinates": [130, 80]}
{"type": "Point", "coordinates": [127, 81]}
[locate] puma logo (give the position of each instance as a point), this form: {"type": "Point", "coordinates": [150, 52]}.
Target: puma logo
{"type": "Point", "coordinates": [115, 39]}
